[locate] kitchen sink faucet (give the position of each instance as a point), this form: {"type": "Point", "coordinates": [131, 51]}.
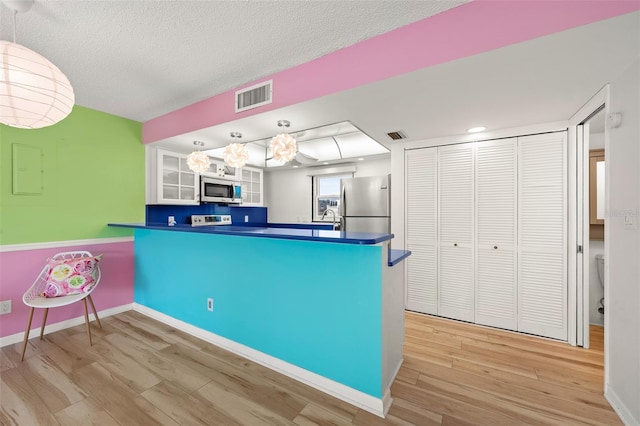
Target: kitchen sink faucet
{"type": "Point", "coordinates": [334, 217]}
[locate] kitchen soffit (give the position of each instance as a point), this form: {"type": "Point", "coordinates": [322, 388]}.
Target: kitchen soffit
{"type": "Point", "coordinates": [335, 143]}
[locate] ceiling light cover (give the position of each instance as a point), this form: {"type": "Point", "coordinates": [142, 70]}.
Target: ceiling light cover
{"type": "Point", "coordinates": [34, 92]}
{"type": "Point", "coordinates": [198, 161]}
{"type": "Point", "coordinates": [477, 129]}
{"type": "Point", "coordinates": [283, 147]}
{"type": "Point", "coordinates": [236, 155]}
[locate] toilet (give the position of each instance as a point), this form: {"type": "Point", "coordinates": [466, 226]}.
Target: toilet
{"type": "Point", "coordinates": [600, 266]}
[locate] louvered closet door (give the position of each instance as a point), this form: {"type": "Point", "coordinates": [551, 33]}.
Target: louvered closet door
{"type": "Point", "coordinates": [542, 235]}
{"type": "Point", "coordinates": [496, 199]}
{"type": "Point", "coordinates": [455, 217]}
{"type": "Point", "coordinates": [421, 230]}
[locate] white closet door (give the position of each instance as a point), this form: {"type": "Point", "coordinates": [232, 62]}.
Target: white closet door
{"type": "Point", "coordinates": [455, 201]}
{"type": "Point", "coordinates": [496, 231]}
{"type": "Point", "coordinates": [542, 235]}
{"type": "Point", "coordinates": [421, 230]}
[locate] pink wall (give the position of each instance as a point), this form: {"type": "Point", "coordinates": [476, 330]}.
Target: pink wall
{"type": "Point", "coordinates": [18, 270]}
{"type": "Point", "coordinates": [475, 27]}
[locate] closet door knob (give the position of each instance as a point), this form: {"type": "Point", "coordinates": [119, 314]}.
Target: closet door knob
{"type": "Point", "coordinates": [495, 247]}
{"type": "Point", "coordinates": [455, 244]}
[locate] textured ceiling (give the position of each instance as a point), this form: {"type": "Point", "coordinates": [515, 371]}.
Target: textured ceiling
{"type": "Point", "coordinates": [142, 59]}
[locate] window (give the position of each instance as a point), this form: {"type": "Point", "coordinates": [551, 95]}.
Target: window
{"type": "Point", "coordinates": [326, 194]}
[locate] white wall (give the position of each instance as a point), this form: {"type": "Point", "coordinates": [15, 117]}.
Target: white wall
{"type": "Point", "coordinates": [622, 315]}
{"type": "Point", "coordinates": [596, 292]}
{"type": "Point", "coordinates": [288, 191]}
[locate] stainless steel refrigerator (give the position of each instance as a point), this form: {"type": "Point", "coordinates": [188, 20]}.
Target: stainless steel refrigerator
{"type": "Point", "coordinates": [365, 204]}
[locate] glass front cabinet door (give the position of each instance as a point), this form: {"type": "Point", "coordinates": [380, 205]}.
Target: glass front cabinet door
{"type": "Point", "coordinates": [251, 186]}
{"type": "Point", "coordinates": [176, 184]}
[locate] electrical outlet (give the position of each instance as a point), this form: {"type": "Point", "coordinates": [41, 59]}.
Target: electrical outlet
{"type": "Point", "coordinates": [246, 218]}
{"type": "Point", "coordinates": [210, 304]}
{"type": "Point", "coordinates": [5, 307]}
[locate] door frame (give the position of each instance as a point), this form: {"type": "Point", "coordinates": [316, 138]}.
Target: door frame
{"type": "Point", "coordinates": [579, 319]}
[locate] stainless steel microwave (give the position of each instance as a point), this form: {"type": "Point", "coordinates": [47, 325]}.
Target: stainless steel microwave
{"type": "Point", "coordinates": [214, 190]}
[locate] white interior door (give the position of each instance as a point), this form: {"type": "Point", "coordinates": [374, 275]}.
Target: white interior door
{"type": "Point", "coordinates": [456, 293]}
{"type": "Point", "coordinates": [496, 231]}
{"type": "Point", "coordinates": [422, 230]}
{"type": "Point", "coordinates": [582, 235]}
{"type": "Point", "coordinates": [542, 235]}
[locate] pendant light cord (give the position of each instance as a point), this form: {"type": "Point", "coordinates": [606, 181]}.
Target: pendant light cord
{"type": "Point", "coordinates": [14, 25]}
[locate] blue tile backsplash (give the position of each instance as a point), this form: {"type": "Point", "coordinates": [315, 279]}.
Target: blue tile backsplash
{"type": "Point", "coordinates": [158, 214]}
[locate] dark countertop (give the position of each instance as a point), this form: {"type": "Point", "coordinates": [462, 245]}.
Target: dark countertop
{"type": "Point", "coordinates": [327, 236]}
{"type": "Point", "coordinates": [397, 256]}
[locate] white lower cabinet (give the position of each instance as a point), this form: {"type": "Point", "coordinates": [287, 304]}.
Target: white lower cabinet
{"type": "Point", "coordinates": [486, 224]}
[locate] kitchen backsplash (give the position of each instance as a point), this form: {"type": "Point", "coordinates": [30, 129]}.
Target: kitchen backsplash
{"type": "Point", "coordinates": [158, 214]}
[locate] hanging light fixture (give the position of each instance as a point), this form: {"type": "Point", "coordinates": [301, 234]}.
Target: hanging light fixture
{"type": "Point", "coordinates": [34, 93]}
{"type": "Point", "coordinates": [198, 161]}
{"type": "Point", "coordinates": [283, 146]}
{"type": "Point", "coordinates": [236, 154]}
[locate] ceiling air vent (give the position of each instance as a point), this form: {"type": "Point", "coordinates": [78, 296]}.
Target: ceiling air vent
{"type": "Point", "coordinates": [397, 135]}
{"type": "Point", "coordinates": [254, 96]}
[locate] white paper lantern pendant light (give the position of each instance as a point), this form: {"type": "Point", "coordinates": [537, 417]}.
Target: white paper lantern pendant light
{"type": "Point", "coordinates": [198, 161]}
{"type": "Point", "coordinates": [34, 93]}
{"type": "Point", "coordinates": [283, 146]}
{"type": "Point", "coordinates": [236, 154]}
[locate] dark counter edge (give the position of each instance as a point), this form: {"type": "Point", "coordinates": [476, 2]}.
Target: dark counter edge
{"type": "Point", "coordinates": [340, 237]}
{"type": "Point", "coordinates": [396, 256]}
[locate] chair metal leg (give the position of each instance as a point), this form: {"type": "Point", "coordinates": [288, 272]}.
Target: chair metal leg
{"type": "Point", "coordinates": [26, 333]}
{"type": "Point", "coordinates": [95, 313]}
{"type": "Point", "coordinates": [44, 322]}
{"type": "Point", "coordinates": [86, 320]}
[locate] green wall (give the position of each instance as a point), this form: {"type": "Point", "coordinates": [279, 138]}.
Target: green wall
{"type": "Point", "coordinates": [92, 174]}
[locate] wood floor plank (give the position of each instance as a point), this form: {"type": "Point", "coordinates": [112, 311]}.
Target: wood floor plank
{"type": "Point", "coordinates": [414, 414]}
{"type": "Point", "coordinates": [120, 401]}
{"type": "Point", "coordinates": [240, 409]}
{"type": "Point", "coordinates": [50, 383]}
{"type": "Point", "coordinates": [157, 364]}
{"type": "Point", "coordinates": [184, 408]}
{"type": "Point", "coordinates": [439, 403]}
{"type": "Point", "coordinates": [128, 368]}
{"type": "Point", "coordinates": [335, 405]}
{"type": "Point", "coordinates": [312, 415]}
{"type": "Point", "coordinates": [252, 388]}
{"type": "Point", "coordinates": [562, 392]}
{"type": "Point", "coordinates": [84, 413]}
{"type": "Point", "coordinates": [167, 332]}
{"type": "Point", "coordinates": [407, 375]}
{"type": "Point", "coordinates": [20, 404]}
{"type": "Point", "coordinates": [521, 395]}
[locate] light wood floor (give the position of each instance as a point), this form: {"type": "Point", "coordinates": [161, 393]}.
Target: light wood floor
{"type": "Point", "coordinates": [142, 372]}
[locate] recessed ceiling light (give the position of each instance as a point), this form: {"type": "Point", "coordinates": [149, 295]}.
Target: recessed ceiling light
{"type": "Point", "coordinates": [477, 129]}
{"type": "Point", "coordinates": [360, 159]}
{"type": "Point", "coordinates": [325, 163]}
{"type": "Point", "coordinates": [295, 167]}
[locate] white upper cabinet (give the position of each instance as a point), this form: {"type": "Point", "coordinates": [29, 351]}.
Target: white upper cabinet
{"type": "Point", "coordinates": [170, 181]}
{"type": "Point", "coordinates": [252, 186]}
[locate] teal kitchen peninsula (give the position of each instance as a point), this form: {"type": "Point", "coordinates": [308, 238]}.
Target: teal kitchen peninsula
{"type": "Point", "coordinates": [323, 307]}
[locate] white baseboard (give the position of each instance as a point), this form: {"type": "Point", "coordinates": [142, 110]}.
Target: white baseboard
{"type": "Point", "coordinates": [386, 398]}
{"type": "Point", "coordinates": [52, 328]}
{"type": "Point", "coordinates": [620, 408]}
{"type": "Point", "coordinates": [377, 406]}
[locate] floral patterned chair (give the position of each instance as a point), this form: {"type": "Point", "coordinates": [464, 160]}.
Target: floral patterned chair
{"type": "Point", "coordinates": [67, 278]}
